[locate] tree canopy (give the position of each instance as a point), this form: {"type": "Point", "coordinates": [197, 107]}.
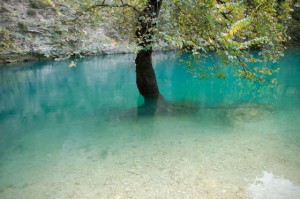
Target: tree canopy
{"type": "Point", "coordinates": [227, 27]}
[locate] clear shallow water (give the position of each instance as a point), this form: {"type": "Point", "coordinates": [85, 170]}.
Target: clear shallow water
{"type": "Point", "coordinates": [75, 133]}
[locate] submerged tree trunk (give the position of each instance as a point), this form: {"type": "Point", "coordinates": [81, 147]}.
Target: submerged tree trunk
{"type": "Point", "coordinates": [145, 75]}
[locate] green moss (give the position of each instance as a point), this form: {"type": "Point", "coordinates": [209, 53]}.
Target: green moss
{"type": "Point", "coordinates": [31, 12]}
{"type": "Point", "coordinates": [37, 4]}
{"type": "Point", "coordinates": [22, 26]}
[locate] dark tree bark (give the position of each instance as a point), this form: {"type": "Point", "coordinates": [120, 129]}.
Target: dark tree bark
{"type": "Point", "coordinates": [145, 75]}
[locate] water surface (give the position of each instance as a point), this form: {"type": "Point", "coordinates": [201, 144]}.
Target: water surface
{"type": "Point", "coordinates": [76, 132]}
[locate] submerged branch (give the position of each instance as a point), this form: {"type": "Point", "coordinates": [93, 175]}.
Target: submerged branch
{"type": "Point", "coordinates": [244, 66]}
{"type": "Point", "coordinates": [249, 74]}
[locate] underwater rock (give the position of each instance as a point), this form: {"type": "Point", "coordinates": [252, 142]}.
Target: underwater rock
{"type": "Point", "coordinates": [249, 112]}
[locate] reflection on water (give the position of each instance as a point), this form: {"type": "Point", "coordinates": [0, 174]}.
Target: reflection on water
{"type": "Point", "coordinates": [84, 132]}
{"type": "Point", "coordinates": [270, 186]}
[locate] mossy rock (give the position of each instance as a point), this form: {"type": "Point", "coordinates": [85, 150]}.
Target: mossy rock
{"type": "Point", "coordinates": [249, 112]}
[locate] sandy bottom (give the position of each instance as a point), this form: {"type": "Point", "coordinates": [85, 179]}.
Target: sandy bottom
{"type": "Point", "coordinates": [214, 154]}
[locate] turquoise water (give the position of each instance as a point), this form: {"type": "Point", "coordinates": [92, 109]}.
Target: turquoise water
{"type": "Point", "coordinates": [76, 132]}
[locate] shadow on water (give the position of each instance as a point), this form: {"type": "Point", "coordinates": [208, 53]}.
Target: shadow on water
{"type": "Point", "coordinates": [242, 111]}
{"type": "Point", "coordinates": [153, 108]}
{"type": "Point", "coordinates": [162, 107]}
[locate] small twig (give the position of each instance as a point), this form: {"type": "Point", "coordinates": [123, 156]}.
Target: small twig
{"type": "Point", "coordinates": [35, 31]}
{"type": "Point", "coordinates": [224, 14]}
{"type": "Point", "coordinates": [123, 5]}
{"type": "Point", "coordinates": [244, 66]}
{"type": "Point", "coordinates": [78, 16]}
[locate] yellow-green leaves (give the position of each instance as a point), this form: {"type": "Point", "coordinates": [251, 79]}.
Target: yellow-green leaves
{"type": "Point", "coordinates": [228, 6]}
{"type": "Point", "coordinates": [237, 26]}
{"type": "Point", "coordinates": [6, 40]}
{"type": "Point", "coordinates": [48, 2]}
{"type": "Point", "coordinates": [252, 42]}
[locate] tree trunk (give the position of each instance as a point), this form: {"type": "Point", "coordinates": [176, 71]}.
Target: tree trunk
{"type": "Point", "coordinates": [145, 75]}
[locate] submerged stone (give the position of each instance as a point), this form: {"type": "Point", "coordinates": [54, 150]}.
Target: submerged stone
{"type": "Point", "coordinates": [249, 112]}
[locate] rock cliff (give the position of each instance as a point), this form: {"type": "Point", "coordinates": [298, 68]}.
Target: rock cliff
{"type": "Point", "coordinates": [30, 29]}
